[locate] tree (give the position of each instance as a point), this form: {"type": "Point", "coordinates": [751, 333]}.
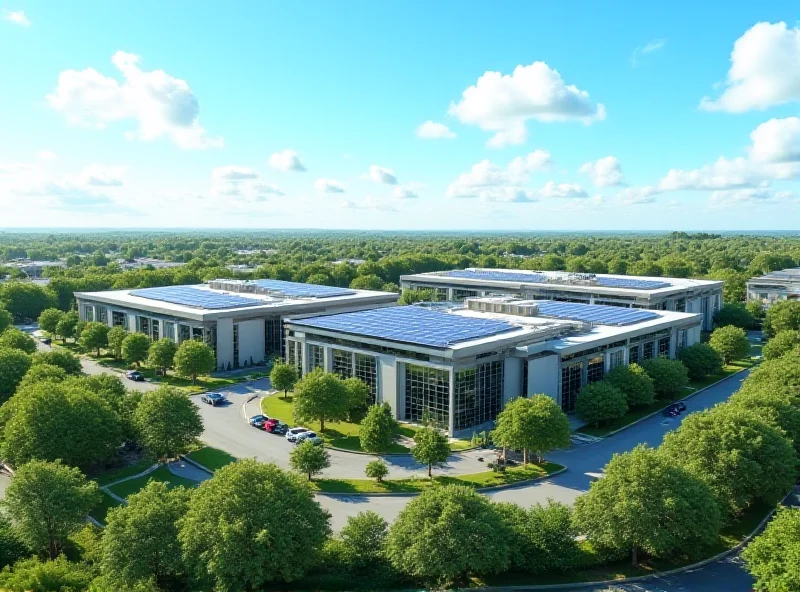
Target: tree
{"type": "Point", "coordinates": [701, 360]}
{"type": "Point", "coordinates": [13, 366]}
{"type": "Point", "coordinates": [194, 358]}
{"type": "Point", "coordinates": [377, 429]}
{"type": "Point", "coordinates": [48, 320]}
{"type": "Point", "coordinates": [67, 325]}
{"type": "Point", "coordinates": [634, 383]}
{"type": "Point", "coordinates": [42, 373]}
{"type": "Point", "coordinates": [599, 402]}
{"type": "Point", "coordinates": [414, 296]}
{"type": "Point", "coordinates": [730, 342]}
{"type": "Point", "coordinates": [448, 534]}
{"type": "Point", "coordinates": [319, 396]}
{"type": "Point", "coordinates": [5, 318]}
{"type": "Point", "coordinates": [244, 533]}
{"type": "Point", "coordinates": [773, 557]}
{"type": "Point", "coordinates": [309, 459]}
{"type": "Point", "coordinates": [67, 361]}
{"type": "Point", "coordinates": [536, 424]}
{"type": "Point", "coordinates": [646, 503]}
{"type": "Point", "coordinates": [358, 391]}
{"type": "Point", "coordinates": [780, 344]}
{"type": "Point", "coordinates": [135, 348]}
{"type": "Point", "coordinates": [48, 502]}
{"type": "Point", "coordinates": [108, 386]}
{"type": "Point", "coordinates": [735, 314]}
{"type": "Point", "coordinates": [58, 574]}
{"type": "Point", "coordinates": [782, 316]}
{"type": "Point", "coordinates": [364, 538]}
{"type": "Point", "coordinates": [116, 338]}
{"type": "Point", "coordinates": [736, 453]}
{"type": "Point", "coordinates": [140, 540]}
{"type": "Point", "coordinates": [431, 447]}
{"type": "Point", "coordinates": [16, 339]}
{"type": "Point", "coordinates": [376, 469]}
{"type": "Point", "coordinates": [283, 377]}
{"type": "Point", "coordinates": [94, 336]}
{"type": "Point", "coordinates": [168, 423]}
{"type": "Point", "coordinates": [25, 300]}
{"type": "Point", "coordinates": [161, 354]}
{"type": "Point", "coordinates": [669, 376]}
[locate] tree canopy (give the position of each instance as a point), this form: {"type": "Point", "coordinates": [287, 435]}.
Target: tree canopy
{"type": "Point", "coordinates": [599, 402]}
{"type": "Point", "coordinates": [194, 358]}
{"type": "Point", "coordinates": [167, 421]}
{"type": "Point", "coordinates": [669, 376]}
{"type": "Point", "coordinates": [321, 396]}
{"type": "Point", "coordinates": [634, 383]}
{"type": "Point", "coordinates": [773, 557]}
{"type": "Point", "coordinates": [730, 343]}
{"type": "Point", "coordinates": [135, 347]}
{"type": "Point", "coordinates": [309, 459]}
{"type": "Point", "coordinates": [377, 429]}
{"type": "Point", "coordinates": [701, 360]}
{"type": "Point", "coordinates": [431, 448]}
{"type": "Point", "coordinates": [780, 344]}
{"type": "Point", "coordinates": [782, 316]}
{"type": "Point", "coordinates": [16, 339]}
{"type": "Point", "coordinates": [283, 377]}
{"type": "Point", "coordinates": [536, 424]}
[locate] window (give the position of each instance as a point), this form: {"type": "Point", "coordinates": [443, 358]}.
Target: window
{"type": "Point", "coordinates": [682, 338]}
{"type": "Point", "coordinates": [680, 305]}
{"type": "Point", "coordinates": [427, 395]}
{"type": "Point", "coordinates": [118, 319]}
{"type": "Point", "coordinates": [524, 389]}
{"type": "Point", "coordinates": [169, 330]}
{"type": "Point", "coordinates": [184, 333]}
{"type": "Point", "coordinates": [272, 336]}
{"type": "Point", "coordinates": [102, 314]}
{"type": "Point", "coordinates": [595, 369]}
{"type": "Point", "coordinates": [143, 325]}
{"type": "Point", "coordinates": [440, 294]}
{"type": "Point", "coordinates": [316, 357]}
{"type": "Point", "coordinates": [478, 393]}
{"type": "Point", "coordinates": [459, 295]}
{"type": "Point", "coordinates": [236, 345]}
{"type": "Point", "coordinates": [617, 358]}
{"type": "Point", "coordinates": [294, 355]}
{"type": "Point", "coordinates": [88, 313]}
{"type": "Point", "coordinates": [663, 347]}
{"type": "Point", "coordinates": [633, 355]}
{"type": "Point", "coordinates": [649, 348]}
{"type": "Point", "coordinates": [367, 370]}
{"type": "Point", "coordinates": [342, 363]}
{"type": "Point", "coordinates": [155, 329]}
{"type": "Point", "coordinates": [570, 385]}
{"type": "Point", "coordinates": [197, 333]}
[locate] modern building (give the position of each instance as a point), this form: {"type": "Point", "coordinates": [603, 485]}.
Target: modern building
{"type": "Point", "coordinates": [147, 262]}
{"type": "Point", "coordinates": [33, 269]}
{"type": "Point", "coordinates": [459, 364]}
{"type": "Point", "coordinates": [775, 286]}
{"type": "Point", "coordinates": [242, 320]}
{"type": "Point", "coordinates": [654, 293]}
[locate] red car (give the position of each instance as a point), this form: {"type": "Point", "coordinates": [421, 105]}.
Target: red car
{"type": "Point", "coordinates": [274, 426]}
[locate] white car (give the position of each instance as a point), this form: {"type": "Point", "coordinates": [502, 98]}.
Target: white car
{"type": "Point", "coordinates": [292, 434]}
{"type": "Point", "coordinates": [310, 437]}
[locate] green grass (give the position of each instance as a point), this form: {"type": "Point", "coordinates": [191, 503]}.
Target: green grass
{"type": "Point", "coordinates": [107, 477]}
{"type": "Point", "coordinates": [160, 474]}
{"type": "Point", "coordinates": [417, 485]}
{"type": "Point", "coordinates": [203, 383]}
{"type": "Point", "coordinates": [100, 510]}
{"type": "Point", "coordinates": [211, 458]}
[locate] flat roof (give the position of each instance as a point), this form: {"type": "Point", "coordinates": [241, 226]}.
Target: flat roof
{"type": "Point", "coordinates": [580, 282]}
{"type": "Point", "coordinates": [784, 275]}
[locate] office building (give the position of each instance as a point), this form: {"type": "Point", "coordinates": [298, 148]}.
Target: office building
{"type": "Point", "coordinates": [775, 286]}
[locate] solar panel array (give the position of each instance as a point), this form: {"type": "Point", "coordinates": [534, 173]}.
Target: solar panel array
{"type": "Point", "coordinates": [594, 313]}
{"type": "Point", "coordinates": [195, 297]}
{"type": "Point", "coordinates": [541, 278]}
{"type": "Point", "coordinates": [410, 324]}
{"type": "Point", "coordinates": [303, 290]}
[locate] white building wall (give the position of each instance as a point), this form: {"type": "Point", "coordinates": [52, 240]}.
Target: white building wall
{"type": "Point", "coordinates": [225, 342]}
{"type": "Point", "coordinates": [543, 377]}
{"type": "Point", "coordinates": [512, 378]}
{"type": "Point", "coordinates": [251, 341]}
{"type": "Point", "coordinates": [387, 382]}
{"type": "Point", "coordinates": [693, 335]}
{"type": "Point", "coordinates": [131, 322]}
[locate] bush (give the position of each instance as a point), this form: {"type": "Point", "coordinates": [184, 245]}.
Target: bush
{"type": "Point", "coordinates": [730, 342]}
{"type": "Point", "coordinates": [377, 429]}
{"type": "Point", "coordinates": [67, 361]}
{"type": "Point", "coordinates": [634, 383]}
{"type": "Point", "coordinates": [781, 344]}
{"type": "Point", "coordinates": [376, 469]}
{"type": "Point", "coordinates": [701, 360]}
{"type": "Point", "coordinates": [16, 339]}
{"type": "Point", "coordinates": [600, 402]}
{"type": "Point", "coordinates": [735, 314]}
{"type": "Point", "coordinates": [782, 316]}
{"type": "Point", "coordinates": [669, 376]}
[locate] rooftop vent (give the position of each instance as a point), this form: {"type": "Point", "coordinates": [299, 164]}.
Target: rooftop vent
{"type": "Point", "coordinates": [519, 308]}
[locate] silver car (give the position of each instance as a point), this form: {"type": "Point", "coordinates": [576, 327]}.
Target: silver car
{"type": "Point", "coordinates": [292, 434]}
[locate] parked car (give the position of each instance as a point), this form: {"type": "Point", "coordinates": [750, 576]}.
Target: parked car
{"type": "Point", "coordinates": [275, 426]}
{"type": "Point", "coordinates": [258, 421]}
{"type": "Point", "coordinates": [680, 405]}
{"type": "Point", "coordinates": [310, 437]}
{"type": "Point", "coordinates": [674, 410]}
{"type": "Point", "coordinates": [213, 399]}
{"type": "Point", "coordinates": [134, 375]}
{"type": "Point", "coordinates": [292, 434]}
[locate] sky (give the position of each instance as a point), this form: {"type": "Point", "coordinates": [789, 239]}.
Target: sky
{"type": "Point", "coordinates": [413, 115]}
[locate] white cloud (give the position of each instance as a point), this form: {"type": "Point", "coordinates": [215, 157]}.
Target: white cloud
{"type": "Point", "coordinates": [329, 186]}
{"type": "Point", "coordinates": [538, 160]}
{"type": "Point", "coordinates": [369, 203]}
{"type": "Point", "coordinates": [491, 182]}
{"type": "Point", "coordinates": [96, 175]}
{"type": "Point", "coordinates": [652, 46]}
{"type": "Point", "coordinates": [242, 182]}
{"type": "Point", "coordinates": [17, 17]}
{"type": "Point", "coordinates": [776, 140]}
{"type": "Point", "coordinates": [46, 155]}
{"type": "Point", "coordinates": [604, 172]}
{"type": "Point", "coordinates": [233, 173]}
{"type": "Point", "coordinates": [764, 196]}
{"type": "Point", "coordinates": [723, 174]}
{"type": "Point", "coordinates": [408, 192]}
{"type": "Point", "coordinates": [381, 175]}
{"type": "Point", "coordinates": [433, 130]}
{"type": "Point", "coordinates": [631, 196]}
{"type": "Point", "coordinates": [160, 104]}
{"type": "Point", "coordinates": [763, 70]}
{"type": "Point", "coordinates": [286, 160]}
{"type": "Point", "coordinates": [568, 190]}
{"type": "Point", "coordinates": [504, 103]}
{"type": "Point", "coordinates": [262, 189]}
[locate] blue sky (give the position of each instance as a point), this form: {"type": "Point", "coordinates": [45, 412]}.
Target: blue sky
{"type": "Point", "coordinates": [543, 116]}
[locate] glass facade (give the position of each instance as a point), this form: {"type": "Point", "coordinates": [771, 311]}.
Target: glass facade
{"type": "Point", "coordinates": [154, 330]}
{"type": "Point", "coordinates": [617, 359]}
{"type": "Point", "coordinates": [236, 345]}
{"type": "Point", "coordinates": [102, 314]}
{"type": "Point", "coordinates": [524, 389]}
{"type": "Point", "coordinates": [682, 338]}
{"type": "Point", "coordinates": [459, 295]}
{"type": "Point", "coordinates": [633, 354]}
{"type": "Point", "coordinates": [197, 333]}
{"type": "Point", "coordinates": [88, 313]}
{"type": "Point", "coordinates": [648, 350]}
{"type": "Point", "coordinates": [184, 332]}
{"type": "Point", "coordinates": [342, 363]}
{"type": "Point", "coordinates": [478, 394]}
{"type": "Point", "coordinates": [118, 318]}
{"type": "Point", "coordinates": [316, 357]}
{"type": "Point", "coordinates": [143, 325]}
{"type": "Point", "coordinates": [367, 371]}
{"type": "Point", "coordinates": [570, 385]}
{"type": "Point", "coordinates": [169, 330]}
{"type": "Point", "coordinates": [595, 369]}
{"type": "Point", "coordinates": [663, 347]}
{"type": "Point", "coordinates": [272, 336]}
{"type": "Point", "coordinates": [294, 355]}
{"type": "Point", "coordinates": [427, 395]}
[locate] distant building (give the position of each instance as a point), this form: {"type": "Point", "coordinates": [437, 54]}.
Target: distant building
{"type": "Point", "coordinates": [350, 261]}
{"type": "Point", "coordinates": [143, 262]}
{"type": "Point", "coordinates": [256, 251]}
{"type": "Point", "coordinates": [775, 286]}
{"type": "Point", "coordinates": [655, 293]}
{"type": "Point", "coordinates": [33, 269]}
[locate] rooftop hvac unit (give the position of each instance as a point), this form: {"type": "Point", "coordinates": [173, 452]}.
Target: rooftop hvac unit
{"type": "Point", "coordinates": [503, 306]}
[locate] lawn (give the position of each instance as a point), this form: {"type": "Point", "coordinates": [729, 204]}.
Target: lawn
{"type": "Point", "coordinates": [160, 474]}
{"type": "Point", "coordinates": [203, 383]}
{"type": "Point", "coordinates": [107, 477]}
{"type": "Point", "coordinates": [211, 458]}
{"type": "Point", "coordinates": [417, 485]}
{"type": "Point", "coordinates": [100, 510]}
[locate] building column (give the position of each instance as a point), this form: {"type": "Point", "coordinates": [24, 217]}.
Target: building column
{"type": "Point", "coordinates": [327, 359]}
{"type": "Point", "coordinates": [452, 405]}
{"type": "Point", "coordinates": [450, 293]}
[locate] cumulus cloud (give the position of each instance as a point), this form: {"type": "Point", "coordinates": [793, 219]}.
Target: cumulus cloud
{"type": "Point", "coordinates": [381, 175]}
{"type": "Point", "coordinates": [503, 103]}
{"type": "Point", "coordinates": [433, 130]}
{"type": "Point", "coordinates": [604, 172]}
{"type": "Point", "coordinates": [96, 175]}
{"type": "Point", "coordinates": [654, 45]}
{"type": "Point", "coordinates": [764, 196]}
{"type": "Point", "coordinates": [491, 182]}
{"type": "Point", "coordinates": [369, 203]}
{"type": "Point", "coordinates": [18, 17]}
{"type": "Point", "coordinates": [286, 160]}
{"type": "Point", "coordinates": [564, 190]}
{"type": "Point", "coordinates": [46, 155]}
{"type": "Point", "coordinates": [631, 196]}
{"type": "Point", "coordinates": [242, 182]}
{"type": "Point", "coordinates": [329, 186]}
{"type": "Point", "coordinates": [776, 140]}
{"type": "Point", "coordinates": [763, 70]}
{"type": "Point", "coordinates": [160, 104]}
{"type": "Point", "coordinates": [725, 174]}
{"type": "Point", "coordinates": [233, 173]}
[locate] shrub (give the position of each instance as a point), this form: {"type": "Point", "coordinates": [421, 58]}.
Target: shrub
{"type": "Point", "coordinates": [780, 344]}
{"type": "Point", "coordinates": [701, 360]}
{"type": "Point", "coordinates": [634, 383]}
{"type": "Point", "coordinates": [376, 469]}
{"type": "Point", "coordinates": [669, 376]}
{"type": "Point", "coordinates": [600, 402]}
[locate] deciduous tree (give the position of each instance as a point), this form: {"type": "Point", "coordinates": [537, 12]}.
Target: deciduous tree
{"type": "Point", "coordinates": [5, 318]}
{"type": "Point", "coordinates": [67, 325]}
{"type": "Point", "coordinates": [283, 377]}
{"type": "Point", "coordinates": [599, 402]}
{"type": "Point", "coordinates": [701, 360]}
{"type": "Point", "coordinates": [321, 396]}
{"type": "Point", "coordinates": [431, 448]}
{"type": "Point", "coordinates": [13, 366]}
{"type": "Point", "coordinates": [194, 358]}
{"type": "Point", "coordinates": [730, 342]}
{"type": "Point", "coordinates": [376, 469]}
{"type": "Point", "coordinates": [94, 336]}
{"type": "Point", "coordinates": [48, 320]}
{"type": "Point", "coordinates": [69, 362]}
{"type": "Point", "coordinates": [16, 339]}
{"type": "Point", "coordinates": [135, 348]}
{"type": "Point", "coordinates": [634, 383]}
{"type": "Point", "coordinates": [773, 557]}
{"type": "Point", "coordinates": [780, 344]}
{"type": "Point", "coordinates": [536, 424]}
{"type": "Point", "coordinates": [309, 459]}
{"type": "Point", "coordinates": [167, 422]}
{"type": "Point", "coordinates": [669, 376]}
{"type": "Point", "coordinates": [116, 337]}
{"type": "Point", "coordinates": [161, 354]}
{"type": "Point", "coordinates": [377, 429]}
{"type": "Point", "coordinates": [782, 316]}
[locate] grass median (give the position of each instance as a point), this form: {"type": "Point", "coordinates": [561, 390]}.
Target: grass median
{"type": "Point", "coordinates": [511, 476]}
{"type": "Point", "coordinates": [211, 458]}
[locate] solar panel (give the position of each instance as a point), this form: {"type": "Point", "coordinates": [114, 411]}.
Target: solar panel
{"type": "Point", "coordinates": [303, 290]}
{"type": "Point", "coordinates": [632, 283]}
{"type": "Point", "coordinates": [409, 324]}
{"type": "Point", "coordinates": [195, 297]}
{"type": "Point", "coordinates": [594, 313]}
{"type": "Point", "coordinates": [499, 275]}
